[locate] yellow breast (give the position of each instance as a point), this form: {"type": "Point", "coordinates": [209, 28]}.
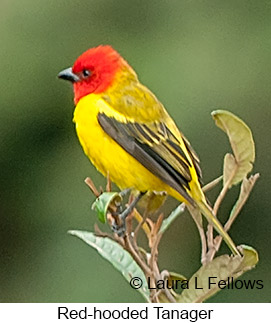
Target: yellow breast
{"type": "Point", "coordinates": [105, 154]}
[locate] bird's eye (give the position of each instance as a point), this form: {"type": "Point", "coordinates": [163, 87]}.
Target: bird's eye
{"type": "Point", "coordinates": [86, 73]}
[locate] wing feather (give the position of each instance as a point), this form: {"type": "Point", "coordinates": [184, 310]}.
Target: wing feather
{"type": "Point", "coordinates": [156, 148]}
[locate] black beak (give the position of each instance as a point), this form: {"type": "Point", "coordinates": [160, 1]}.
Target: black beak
{"type": "Point", "coordinates": [68, 75]}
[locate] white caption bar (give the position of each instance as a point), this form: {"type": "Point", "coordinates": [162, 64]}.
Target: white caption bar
{"type": "Point", "coordinates": [129, 312]}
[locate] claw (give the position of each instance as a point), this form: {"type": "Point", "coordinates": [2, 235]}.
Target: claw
{"type": "Point", "coordinates": [120, 216]}
{"type": "Point", "coordinates": [119, 229]}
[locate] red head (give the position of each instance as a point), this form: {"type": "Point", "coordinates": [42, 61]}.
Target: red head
{"type": "Point", "coordinates": [93, 71]}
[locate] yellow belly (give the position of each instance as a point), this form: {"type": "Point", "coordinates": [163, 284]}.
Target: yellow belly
{"type": "Point", "coordinates": [106, 155]}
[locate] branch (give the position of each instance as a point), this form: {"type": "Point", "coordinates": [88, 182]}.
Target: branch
{"type": "Point", "coordinates": [236, 210]}
{"type": "Point", "coordinates": [220, 198]}
{"type": "Point", "coordinates": [92, 187]}
{"type": "Point", "coordinates": [212, 184]}
{"type": "Point", "coordinates": [196, 215]}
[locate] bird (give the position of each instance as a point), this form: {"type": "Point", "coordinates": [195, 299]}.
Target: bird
{"type": "Point", "coordinates": [126, 131]}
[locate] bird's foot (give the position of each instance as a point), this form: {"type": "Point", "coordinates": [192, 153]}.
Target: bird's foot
{"type": "Point", "coordinates": [119, 228]}
{"type": "Point", "coordinates": [119, 224]}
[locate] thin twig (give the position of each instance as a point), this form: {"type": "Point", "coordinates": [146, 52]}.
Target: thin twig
{"type": "Point", "coordinates": [136, 257]}
{"type": "Point", "coordinates": [203, 244]}
{"type": "Point", "coordinates": [212, 184]}
{"type": "Point", "coordinates": [224, 190]}
{"type": "Point", "coordinates": [165, 275]}
{"type": "Point", "coordinates": [153, 261]}
{"type": "Point", "coordinates": [153, 258]}
{"type": "Point", "coordinates": [233, 216]}
{"type": "Point", "coordinates": [108, 183]}
{"type": "Point", "coordinates": [92, 187]}
{"type": "Point", "coordinates": [154, 251]}
{"type": "Point", "coordinates": [155, 295]}
{"type": "Point", "coordinates": [196, 218]}
{"type": "Point", "coordinates": [220, 198]}
{"type": "Point", "coordinates": [236, 211]}
{"type": "Point", "coordinates": [141, 223]}
{"type": "Point", "coordinates": [100, 233]}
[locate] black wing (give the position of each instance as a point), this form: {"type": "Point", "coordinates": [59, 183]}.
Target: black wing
{"type": "Point", "coordinates": [157, 149]}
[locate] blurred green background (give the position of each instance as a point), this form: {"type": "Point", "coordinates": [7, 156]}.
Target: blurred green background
{"type": "Point", "coordinates": [197, 56]}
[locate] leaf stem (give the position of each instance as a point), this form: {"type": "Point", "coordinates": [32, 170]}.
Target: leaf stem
{"type": "Point", "coordinates": [234, 214]}
{"type": "Point", "coordinates": [136, 257]}
{"type": "Point", "coordinates": [196, 215]}
{"type": "Point", "coordinates": [212, 184]}
{"type": "Point", "coordinates": [224, 190]}
{"type": "Point", "coordinates": [220, 198]}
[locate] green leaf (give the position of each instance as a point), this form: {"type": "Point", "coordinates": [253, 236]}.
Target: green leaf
{"type": "Point", "coordinates": [230, 167]}
{"type": "Point", "coordinates": [222, 269]}
{"type": "Point", "coordinates": [102, 203]}
{"type": "Point", "coordinates": [173, 280]}
{"type": "Point", "coordinates": [242, 145]}
{"type": "Point", "coordinates": [250, 258]}
{"type": "Point", "coordinates": [117, 256]}
{"type": "Point", "coordinates": [174, 277]}
{"type": "Point", "coordinates": [173, 215]}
